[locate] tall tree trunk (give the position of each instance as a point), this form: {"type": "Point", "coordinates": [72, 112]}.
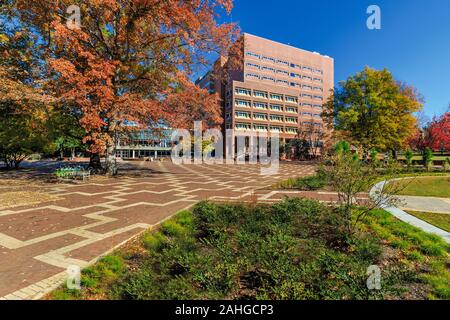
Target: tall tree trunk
{"type": "Point", "coordinates": [95, 163]}
{"type": "Point", "coordinates": [73, 153]}
{"type": "Point", "coordinates": [61, 153]}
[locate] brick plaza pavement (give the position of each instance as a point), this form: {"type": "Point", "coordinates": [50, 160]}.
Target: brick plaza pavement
{"type": "Point", "coordinates": [87, 220]}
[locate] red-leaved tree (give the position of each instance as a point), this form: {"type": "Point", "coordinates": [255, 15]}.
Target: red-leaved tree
{"type": "Point", "coordinates": [437, 135]}
{"type": "Point", "coordinates": [129, 62]}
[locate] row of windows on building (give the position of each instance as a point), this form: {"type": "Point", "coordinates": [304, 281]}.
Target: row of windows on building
{"type": "Point", "coordinates": [275, 96]}
{"type": "Point", "coordinates": [283, 63]}
{"type": "Point", "coordinates": [240, 126]}
{"type": "Point", "coordinates": [280, 82]}
{"type": "Point", "coordinates": [271, 117]}
{"type": "Point", "coordinates": [272, 106]}
{"type": "Point", "coordinates": [283, 72]}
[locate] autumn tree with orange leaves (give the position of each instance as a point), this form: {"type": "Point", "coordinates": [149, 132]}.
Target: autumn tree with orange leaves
{"type": "Point", "coordinates": [129, 62]}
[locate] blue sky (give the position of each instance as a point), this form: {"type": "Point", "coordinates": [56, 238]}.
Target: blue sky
{"type": "Point", "coordinates": [414, 42]}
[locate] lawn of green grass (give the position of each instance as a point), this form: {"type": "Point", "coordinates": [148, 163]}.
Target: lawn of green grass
{"type": "Point", "coordinates": [440, 220]}
{"type": "Point", "coordinates": [420, 158]}
{"type": "Point", "coordinates": [295, 249]}
{"type": "Point", "coordinates": [425, 186]}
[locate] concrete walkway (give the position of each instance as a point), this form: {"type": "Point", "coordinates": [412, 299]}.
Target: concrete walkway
{"type": "Point", "coordinates": [402, 215]}
{"type": "Point", "coordinates": [424, 204]}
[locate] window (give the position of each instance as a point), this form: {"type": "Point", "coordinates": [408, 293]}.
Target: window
{"type": "Point", "coordinates": [252, 76]}
{"type": "Point", "coordinates": [283, 82]}
{"type": "Point", "coordinates": [307, 105]}
{"type": "Point", "coordinates": [275, 129]}
{"type": "Point", "coordinates": [319, 106]}
{"type": "Point", "coordinates": [268, 79]}
{"type": "Point", "coordinates": [295, 75]}
{"type": "Point", "coordinates": [309, 69]}
{"type": "Point", "coordinates": [243, 92]}
{"type": "Point", "coordinates": [260, 94]}
{"type": "Point", "coordinates": [318, 89]}
{"type": "Point", "coordinates": [259, 105]}
{"type": "Point", "coordinates": [307, 78]}
{"type": "Point", "coordinates": [276, 107]}
{"type": "Point", "coordinates": [283, 72]}
{"type": "Point", "coordinates": [318, 80]}
{"type": "Point", "coordinates": [291, 130]}
{"type": "Point", "coordinates": [276, 97]}
{"type": "Point", "coordinates": [252, 65]}
{"type": "Point", "coordinates": [260, 127]}
{"type": "Point", "coordinates": [307, 114]}
{"type": "Point", "coordinates": [291, 99]}
{"type": "Point", "coordinates": [318, 71]}
{"type": "Point", "coordinates": [294, 65]}
{"type": "Point", "coordinates": [291, 120]}
{"type": "Point", "coordinates": [305, 95]}
{"type": "Point", "coordinates": [295, 84]}
{"type": "Point", "coordinates": [243, 103]}
{"type": "Point", "coordinates": [243, 126]}
{"type": "Point", "coordinates": [242, 115]}
{"type": "Point", "coordinates": [291, 109]}
{"type": "Point", "coordinates": [253, 55]}
{"type": "Point", "coordinates": [268, 59]}
{"type": "Point", "coordinates": [307, 87]}
{"type": "Point", "coordinates": [276, 118]}
{"type": "Point", "coordinates": [318, 97]}
{"type": "Point", "coordinates": [316, 115]}
{"type": "Point", "coordinates": [268, 69]}
{"type": "Point", "coordinates": [260, 116]}
{"type": "Point", "coordinates": [285, 63]}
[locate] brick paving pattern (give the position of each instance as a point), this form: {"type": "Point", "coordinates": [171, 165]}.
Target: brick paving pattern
{"type": "Point", "coordinates": [38, 242]}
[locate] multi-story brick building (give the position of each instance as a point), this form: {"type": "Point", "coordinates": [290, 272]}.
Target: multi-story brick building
{"type": "Point", "coordinates": [277, 88]}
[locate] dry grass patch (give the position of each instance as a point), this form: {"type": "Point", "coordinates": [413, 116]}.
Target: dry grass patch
{"type": "Point", "coordinates": [22, 198]}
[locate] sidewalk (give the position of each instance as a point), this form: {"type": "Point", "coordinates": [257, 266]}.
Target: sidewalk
{"type": "Point", "coordinates": [424, 204]}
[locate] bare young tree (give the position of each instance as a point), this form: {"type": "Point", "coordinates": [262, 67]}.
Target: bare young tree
{"type": "Point", "coordinates": [351, 178]}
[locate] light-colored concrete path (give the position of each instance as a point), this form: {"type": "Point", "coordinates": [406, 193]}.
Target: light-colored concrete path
{"type": "Point", "coordinates": [424, 204]}
{"type": "Point", "coordinates": [402, 215]}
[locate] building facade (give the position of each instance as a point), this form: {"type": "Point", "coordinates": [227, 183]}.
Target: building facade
{"type": "Point", "coordinates": [277, 88]}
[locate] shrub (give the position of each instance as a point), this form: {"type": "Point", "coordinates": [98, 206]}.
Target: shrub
{"type": "Point", "coordinates": [409, 157]}
{"type": "Point", "coordinates": [290, 250]}
{"type": "Point", "coordinates": [428, 158]}
{"type": "Point", "coordinates": [374, 155]}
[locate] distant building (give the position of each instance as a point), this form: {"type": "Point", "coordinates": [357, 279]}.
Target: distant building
{"type": "Point", "coordinates": [277, 88]}
{"type": "Point", "coordinates": [145, 144]}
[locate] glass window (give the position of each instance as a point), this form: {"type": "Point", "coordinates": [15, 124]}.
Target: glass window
{"type": "Point", "coordinates": [243, 103]}
{"type": "Point", "coordinates": [243, 92]}
{"type": "Point", "coordinates": [260, 94]}
{"type": "Point", "coordinates": [259, 116]}
{"type": "Point", "coordinates": [259, 105]}
{"type": "Point", "coordinates": [253, 55]}
{"type": "Point", "coordinates": [276, 107]}
{"type": "Point", "coordinates": [252, 76]}
{"type": "Point", "coordinates": [276, 97]}
{"type": "Point", "coordinates": [240, 114]}
{"type": "Point", "coordinates": [291, 99]}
